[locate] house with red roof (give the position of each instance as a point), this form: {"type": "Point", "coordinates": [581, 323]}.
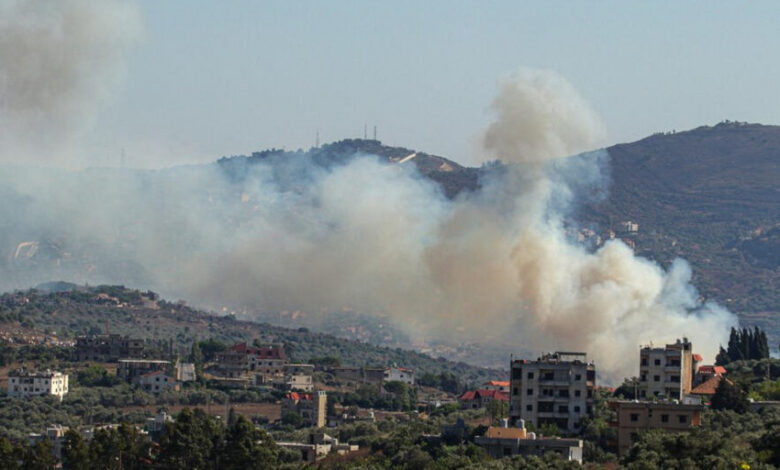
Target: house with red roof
{"type": "Point", "coordinates": [240, 359]}
{"type": "Point", "coordinates": [311, 407]}
{"type": "Point", "coordinates": [474, 399]}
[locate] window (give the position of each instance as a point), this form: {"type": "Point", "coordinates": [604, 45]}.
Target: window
{"type": "Point", "coordinates": [563, 393]}
{"type": "Point", "coordinates": [530, 375]}
{"type": "Point", "coordinates": [563, 409]}
{"type": "Point", "coordinates": [517, 374]}
{"type": "Point", "coordinates": [657, 362]}
{"type": "Point", "coordinates": [578, 377]}
{"type": "Point", "coordinates": [576, 409]}
{"type": "Point", "coordinates": [634, 417]}
{"type": "Point", "coordinates": [643, 378]}
{"type": "Point", "coordinates": [529, 407]}
{"type": "Point", "coordinates": [683, 419]}
{"type": "Point", "coordinates": [675, 378]}
{"type": "Point", "coordinates": [529, 392]}
{"type": "Point", "coordinates": [514, 391]}
{"type": "Point", "coordinates": [664, 418]}
{"type": "Point", "coordinates": [634, 437]}
{"type": "Point", "coordinates": [656, 378]}
{"type": "Point", "coordinates": [644, 361]}
{"type": "Point", "coordinates": [576, 393]}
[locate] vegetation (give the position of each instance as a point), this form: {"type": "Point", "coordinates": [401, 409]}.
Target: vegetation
{"type": "Point", "coordinates": [744, 345]}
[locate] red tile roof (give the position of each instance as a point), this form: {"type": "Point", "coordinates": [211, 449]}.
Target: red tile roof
{"type": "Point", "coordinates": [298, 396]}
{"type": "Point", "coordinates": [697, 357]}
{"type": "Point", "coordinates": [708, 387]}
{"type": "Point", "coordinates": [477, 394]}
{"type": "Point", "coordinates": [150, 374]}
{"type": "Point", "coordinates": [717, 370]}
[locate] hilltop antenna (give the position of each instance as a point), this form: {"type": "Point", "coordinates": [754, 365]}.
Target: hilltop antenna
{"type": "Point", "coordinates": [317, 142]}
{"type": "Point", "coordinates": [374, 131]}
{"type": "Point", "coordinates": [365, 131]}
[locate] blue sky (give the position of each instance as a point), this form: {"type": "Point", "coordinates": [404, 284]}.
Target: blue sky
{"type": "Point", "coordinates": [220, 78]}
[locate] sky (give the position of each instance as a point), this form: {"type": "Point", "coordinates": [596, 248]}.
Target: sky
{"type": "Point", "coordinates": [207, 79]}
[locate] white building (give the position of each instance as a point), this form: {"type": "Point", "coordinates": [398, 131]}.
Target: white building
{"type": "Point", "coordinates": [23, 383]}
{"type": "Point", "coordinates": [185, 372]}
{"type": "Point", "coordinates": [399, 374]}
{"type": "Point", "coordinates": [156, 382]}
{"type": "Point", "coordinates": [556, 389]}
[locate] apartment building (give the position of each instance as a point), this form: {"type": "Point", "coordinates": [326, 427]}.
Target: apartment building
{"type": "Point", "coordinates": [23, 383]}
{"type": "Point", "coordinates": [667, 372]}
{"type": "Point", "coordinates": [239, 359]}
{"type": "Point", "coordinates": [108, 347]}
{"type": "Point", "coordinates": [634, 417]}
{"type": "Point", "coordinates": [311, 407]}
{"type": "Point", "coordinates": [556, 389]}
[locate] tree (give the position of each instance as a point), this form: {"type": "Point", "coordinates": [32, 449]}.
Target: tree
{"type": "Point", "coordinates": [191, 442]}
{"type": "Point", "coordinates": [291, 418]}
{"type": "Point", "coordinates": [729, 397]}
{"type": "Point", "coordinates": [39, 456]}
{"type": "Point", "coordinates": [9, 455]}
{"type": "Point", "coordinates": [247, 448]}
{"type": "Point", "coordinates": [497, 409]}
{"type": "Point", "coordinates": [75, 452]}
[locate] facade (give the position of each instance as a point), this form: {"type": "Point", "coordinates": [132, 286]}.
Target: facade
{"type": "Point", "coordinates": [185, 372]}
{"type": "Point", "coordinates": [634, 417]}
{"type": "Point", "coordinates": [504, 441]}
{"type": "Point", "coordinates": [299, 377]}
{"type": "Point", "coordinates": [240, 359]}
{"type": "Point", "coordinates": [129, 369]}
{"type": "Point", "coordinates": [312, 407]}
{"type": "Point", "coordinates": [319, 446]}
{"type": "Point", "coordinates": [24, 383]}
{"type": "Point", "coordinates": [107, 348]}
{"type": "Point", "coordinates": [474, 399]}
{"type": "Point", "coordinates": [666, 372]}
{"type": "Point", "coordinates": [555, 389]}
{"type": "Point", "coordinates": [155, 382]}
{"type": "Point", "coordinates": [399, 374]}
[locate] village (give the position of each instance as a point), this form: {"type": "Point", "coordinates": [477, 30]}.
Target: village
{"type": "Point", "coordinates": [541, 406]}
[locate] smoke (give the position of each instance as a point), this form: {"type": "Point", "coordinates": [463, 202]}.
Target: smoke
{"type": "Point", "coordinates": [540, 116]}
{"type": "Point", "coordinates": [59, 62]}
{"type": "Point", "coordinates": [318, 233]}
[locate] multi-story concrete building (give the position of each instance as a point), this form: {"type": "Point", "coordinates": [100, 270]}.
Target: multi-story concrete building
{"type": "Point", "coordinates": [129, 369]}
{"type": "Point", "coordinates": [240, 359]}
{"type": "Point", "coordinates": [108, 347]}
{"type": "Point", "coordinates": [399, 374]}
{"type": "Point", "coordinates": [555, 389]}
{"type": "Point", "coordinates": [23, 383]}
{"type": "Point", "coordinates": [298, 377]}
{"type": "Point", "coordinates": [156, 382]}
{"type": "Point", "coordinates": [666, 372]}
{"type": "Point", "coordinates": [636, 416]}
{"type": "Point", "coordinates": [312, 407]}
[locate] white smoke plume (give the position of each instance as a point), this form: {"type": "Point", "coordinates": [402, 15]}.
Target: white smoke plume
{"type": "Point", "coordinates": [494, 265]}
{"type": "Point", "coordinates": [59, 63]}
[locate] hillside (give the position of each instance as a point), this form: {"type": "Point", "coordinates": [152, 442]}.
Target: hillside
{"type": "Point", "coordinates": [709, 195]}
{"type": "Point", "coordinates": [50, 317]}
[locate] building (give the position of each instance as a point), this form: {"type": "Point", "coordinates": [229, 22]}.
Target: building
{"type": "Point", "coordinates": [474, 399]}
{"type": "Point", "coordinates": [555, 389]}
{"type": "Point", "coordinates": [299, 377]}
{"type": "Point", "coordinates": [319, 446]}
{"type": "Point", "coordinates": [504, 441]}
{"type": "Point", "coordinates": [156, 382]}
{"type": "Point", "coordinates": [185, 372]}
{"type": "Point", "coordinates": [706, 389]}
{"type": "Point", "coordinates": [240, 359]}
{"type": "Point", "coordinates": [129, 369]}
{"type": "Point", "coordinates": [108, 347]}
{"type": "Point", "coordinates": [312, 407]}
{"type": "Point", "coordinates": [666, 372]}
{"type": "Point", "coordinates": [634, 417]}
{"type": "Point", "coordinates": [500, 385]}
{"type": "Point", "coordinates": [399, 374]}
{"type": "Point", "coordinates": [23, 383]}
{"type": "Point", "coordinates": [704, 373]}
{"type": "Point", "coordinates": [55, 434]}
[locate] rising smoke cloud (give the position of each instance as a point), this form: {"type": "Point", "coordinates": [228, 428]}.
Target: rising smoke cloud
{"type": "Point", "coordinates": [494, 265]}
{"type": "Point", "coordinates": [59, 63]}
